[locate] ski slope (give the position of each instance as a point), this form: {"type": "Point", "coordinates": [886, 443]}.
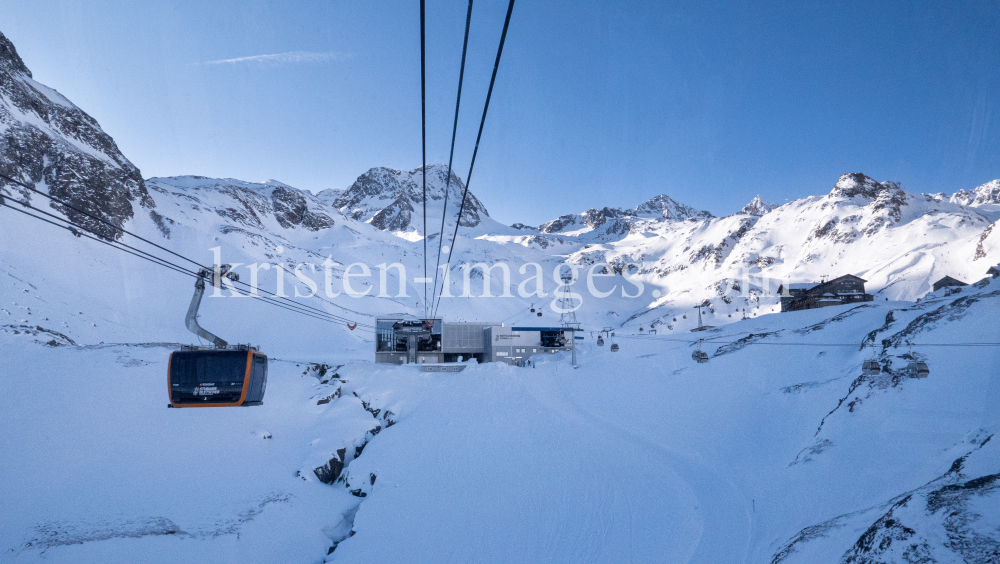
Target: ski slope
{"type": "Point", "coordinates": [636, 456]}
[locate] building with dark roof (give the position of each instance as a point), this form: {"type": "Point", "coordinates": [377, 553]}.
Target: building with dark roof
{"type": "Point", "coordinates": [846, 289]}
{"type": "Point", "coordinates": [948, 282]}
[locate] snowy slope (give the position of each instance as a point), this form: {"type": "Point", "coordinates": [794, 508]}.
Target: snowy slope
{"type": "Point", "coordinates": [766, 453]}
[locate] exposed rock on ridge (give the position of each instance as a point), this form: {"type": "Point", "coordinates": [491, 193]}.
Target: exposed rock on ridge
{"type": "Point", "coordinates": [620, 221]}
{"type": "Point", "coordinates": [988, 193]}
{"type": "Point", "coordinates": [47, 141]}
{"type": "Point", "coordinates": [387, 198]}
{"type": "Point", "coordinates": [251, 202]}
{"type": "Point", "coordinates": [758, 207]}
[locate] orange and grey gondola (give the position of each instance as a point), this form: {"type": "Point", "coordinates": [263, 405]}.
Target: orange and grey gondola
{"type": "Point", "coordinates": [220, 375]}
{"type": "Point", "coordinates": [216, 378]}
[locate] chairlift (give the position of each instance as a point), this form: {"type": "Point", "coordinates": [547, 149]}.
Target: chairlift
{"type": "Point", "coordinates": [539, 314]}
{"type": "Point", "coordinates": [218, 375]}
{"type": "Point", "coordinates": [600, 341]}
{"type": "Point", "coordinates": [614, 347]}
{"type": "Point", "coordinates": [699, 355]}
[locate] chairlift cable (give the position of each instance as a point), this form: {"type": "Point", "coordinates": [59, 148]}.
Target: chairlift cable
{"type": "Point", "coordinates": [475, 151]}
{"type": "Point", "coordinates": [451, 154]}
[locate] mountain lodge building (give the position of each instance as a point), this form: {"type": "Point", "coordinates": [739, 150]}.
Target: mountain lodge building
{"type": "Point", "coordinates": [843, 290]}
{"type": "Point", "coordinates": [948, 282]}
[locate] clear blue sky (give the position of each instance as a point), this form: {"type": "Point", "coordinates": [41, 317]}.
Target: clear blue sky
{"type": "Point", "coordinates": [596, 103]}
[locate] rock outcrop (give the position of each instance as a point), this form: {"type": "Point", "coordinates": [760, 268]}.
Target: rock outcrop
{"type": "Point", "coordinates": [48, 142]}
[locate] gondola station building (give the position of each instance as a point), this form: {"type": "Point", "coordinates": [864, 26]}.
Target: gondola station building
{"type": "Point", "coordinates": [432, 341]}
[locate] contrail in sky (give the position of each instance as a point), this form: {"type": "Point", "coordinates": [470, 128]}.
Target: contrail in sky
{"type": "Point", "coordinates": [283, 58]}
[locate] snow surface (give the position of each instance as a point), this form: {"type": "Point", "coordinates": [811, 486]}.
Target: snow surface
{"type": "Point", "coordinates": [639, 456]}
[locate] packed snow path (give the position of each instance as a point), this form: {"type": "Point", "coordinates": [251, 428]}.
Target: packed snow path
{"type": "Point", "coordinates": [539, 465]}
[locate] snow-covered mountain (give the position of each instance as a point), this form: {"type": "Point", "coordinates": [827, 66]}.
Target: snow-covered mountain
{"type": "Point", "coordinates": [758, 206]}
{"type": "Point", "coordinates": [608, 222]}
{"type": "Point", "coordinates": [248, 204]}
{"type": "Point", "coordinates": [387, 199]}
{"type": "Point", "coordinates": [778, 450]}
{"type": "Point", "coordinates": [987, 194]}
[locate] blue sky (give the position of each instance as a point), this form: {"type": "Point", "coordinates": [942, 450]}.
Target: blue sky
{"type": "Point", "coordinates": [596, 103]}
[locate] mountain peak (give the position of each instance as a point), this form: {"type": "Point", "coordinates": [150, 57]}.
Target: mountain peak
{"type": "Point", "coordinates": [387, 197]}
{"type": "Point", "coordinates": [620, 221]}
{"type": "Point", "coordinates": [663, 206]}
{"type": "Point", "coordinates": [758, 207]}
{"type": "Point", "coordinates": [10, 61]}
{"type": "Point", "coordinates": [988, 193]}
{"type": "Point", "coordinates": [57, 146]}
{"type": "Point", "coordinates": [857, 184]}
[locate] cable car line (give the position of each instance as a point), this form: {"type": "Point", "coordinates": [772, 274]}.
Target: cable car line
{"type": "Point", "coordinates": [118, 245]}
{"type": "Point", "coordinates": [423, 140]}
{"type": "Point", "coordinates": [475, 151]}
{"type": "Point", "coordinates": [78, 234]}
{"type": "Point", "coordinates": [146, 256]}
{"type": "Point", "coordinates": [855, 345]}
{"type": "Point", "coordinates": [109, 224]}
{"type": "Point", "coordinates": [199, 265]}
{"type": "Point", "coordinates": [451, 154]}
{"type": "Point", "coordinates": [143, 239]}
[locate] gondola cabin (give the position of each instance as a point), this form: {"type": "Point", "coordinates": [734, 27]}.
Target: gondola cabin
{"type": "Point", "coordinates": [870, 368]}
{"type": "Point", "coordinates": [216, 378]}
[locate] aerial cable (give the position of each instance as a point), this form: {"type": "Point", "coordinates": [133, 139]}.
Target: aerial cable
{"type": "Point", "coordinates": [716, 342]}
{"type": "Point", "coordinates": [290, 306]}
{"type": "Point", "coordinates": [78, 234]}
{"type": "Point", "coordinates": [451, 155]}
{"type": "Point", "coordinates": [199, 265]}
{"type": "Point", "coordinates": [142, 254]}
{"type": "Point", "coordinates": [108, 223]}
{"type": "Point", "coordinates": [143, 239]}
{"type": "Point", "coordinates": [482, 123]}
{"type": "Point", "coordinates": [423, 140]}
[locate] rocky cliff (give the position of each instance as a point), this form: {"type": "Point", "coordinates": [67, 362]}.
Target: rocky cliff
{"type": "Point", "coordinates": [48, 142]}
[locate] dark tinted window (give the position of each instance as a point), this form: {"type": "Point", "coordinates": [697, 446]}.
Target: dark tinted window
{"type": "Point", "coordinates": [207, 376]}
